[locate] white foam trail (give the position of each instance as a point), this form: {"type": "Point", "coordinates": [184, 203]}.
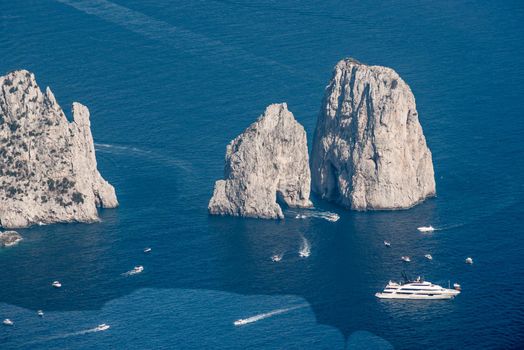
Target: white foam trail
{"type": "Point", "coordinates": [67, 335]}
{"type": "Point", "coordinates": [150, 155]}
{"type": "Point", "coordinates": [312, 213]}
{"type": "Point", "coordinates": [174, 36]}
{"type": "Point", "coordinates": [252, 319]}
{"type": "Point", "coordinates": [305, 248]}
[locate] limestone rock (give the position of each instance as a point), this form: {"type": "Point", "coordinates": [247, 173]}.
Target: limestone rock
{"type": "Point", "coordinates": [268, 160]}
{"type": "Point", "coordinates": [369, 151]}
{"type": "Point", "coordinates": [48, 169]}
{"type": "Point", "coordinates": [9, 238]}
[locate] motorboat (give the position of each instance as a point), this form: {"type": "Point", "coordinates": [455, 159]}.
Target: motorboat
{"type": "Point", "coordinates": [426, 228]}
{"type": "Point", "coordinates": [147, 250]}
{"type": "Point", "coordinates": [416, 289]}
{"type": "Point", "coordinates": [300, 216]}
{"type": "Point", "coordinates": [40, 313]}
{"type": "Point", "coordinates": [56, 284]}
{"type": "Point", "coordinates": [240, 322]}
{"type": "Point", "coordinates": [333, 217]}
{"type": "Point", "coordinates": [457, 286]}
{"type": "Point", "coordinates": [469, 261]}
{"type": "Point", "coordinates": [8, 322]}
{"type": "Point", "coordinates": [405, 258]}
{"type": "Point", "coordinates": [277, 257]}
{"type": "Point", "coordinates": [428, 256]}
{"type": "Point", "coordinates": [138, 269]}
{"type": "Point", "coordinates": [102, 327]}
{"type": "Point", "coordinates": [387, 244]}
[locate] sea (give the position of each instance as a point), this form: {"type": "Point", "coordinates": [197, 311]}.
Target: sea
{"type": "Point", "coordinates": [170, 83]}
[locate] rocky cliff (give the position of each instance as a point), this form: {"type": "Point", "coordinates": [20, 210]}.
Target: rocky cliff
{"type": "Point", "coordinates": [369, 151]}
{"type": "Point", "coordinates": [48, 170]}
{"type": "Point", "coordinates": [266, 163]}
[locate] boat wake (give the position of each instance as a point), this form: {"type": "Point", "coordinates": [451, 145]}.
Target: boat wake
{"type": "Point", "coordinates": [305, 248]}
{"type": "Point", "coordinates": [252, 319]}
{"type": "Point", "coordinates": [135, 271]}
{"type": "Point", "coordinates": [72, 334]}
{"type": "Point", "coordinates": [311, 213]}
{"type": "Point", "coordinates": [150, 155]}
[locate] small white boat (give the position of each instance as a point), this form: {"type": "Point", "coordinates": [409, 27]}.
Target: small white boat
{"type": "Point", "coordinates": [8, 322]}
{"type": "Point", "coordinates": [300, 216]}
{"type": "Point", "coordinates": [405, 258]}
{"type": "Point", "coordinates": [40, 313]}
{"type": "Point", "coordinates": [56, 284]}
{"type": "Point", "coordinates": [417, 289]}
{"type": "Point", "coordinates": [457, 286]}
{"type": "Point", "coordinates": [428, 256]}
{"type": "Point", "coordinates": [102, 327]}
{"type": "Point", "coordinates": [333, 217]}
{"type": "Point", "coordinates": [277, 257]}
{"type": "Point", "coordinates": [240, 322]}
{"type": "Point", "coordinates": [469, 261]}
{"type": "Point", "coordinates": [147, 250]}
{"type": "Point", "coordinates": [138, 269]}
{"type": "Point", "coordinates": [426, 228]}
{"type": "Point", "coordinates": [387, 244]}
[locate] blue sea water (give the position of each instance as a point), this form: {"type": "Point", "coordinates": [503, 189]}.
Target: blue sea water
{"type": "Point", "coordinates": [169, 84]}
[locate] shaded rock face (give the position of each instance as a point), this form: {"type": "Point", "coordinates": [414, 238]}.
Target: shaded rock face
{"type": "Point", "coordinates": [369, 151]}
{"type": "Point", "coordinates": [269, 160]}
{"type": "Point", "coordinates": [48, 170]}
{"type": "Point", "coordinates": [9, 238]}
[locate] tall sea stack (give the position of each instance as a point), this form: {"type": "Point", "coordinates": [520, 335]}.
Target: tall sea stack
{"type": "Point", "coordinates": [266, 164]}
{"type": "Point", "coordinates": [369, 151]}
{"type": "Point", "coordinates": [48, 170]}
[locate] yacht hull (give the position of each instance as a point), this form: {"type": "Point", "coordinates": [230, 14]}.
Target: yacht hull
{"type": "Point", "coordinates": [414, 296]}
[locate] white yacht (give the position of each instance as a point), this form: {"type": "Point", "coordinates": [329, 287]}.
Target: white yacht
{"type": "Point", "coordinates": [387, 244]}
{"type": "Point", "coordinates": [56, 284]}
{"type": "Point", "coordinates": [147, 250]}
{"type": "Point", "coordinates": [428, 256]}
{"type": "Point", "coordinates": [405, 258]}
{"type": "Point", "coordinates": [417, 289]}
{"type": "Point", "coordinates": [138, 269]}
{"type": "Point", "coordinates": [102, 327]}
{"type": "Point", "coordinates": [40, 313]}
{"type": "Point", "coordinates": [469, 261]}
{"type": "Point", "coordinates": [8, 322]}
{"type": "Point", "coordinates": [426, 228]}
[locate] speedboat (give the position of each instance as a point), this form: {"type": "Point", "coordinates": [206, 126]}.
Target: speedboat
{"type": "Point", "coordinates": [138, 269]}
{"type": "Point", "coordinates": [8, 322]}
{"type": "Point", "coordinates": [277, 257]}
{"type": "Point", "coordinates": [405, 258]}
{"type": "Point", "coordinates": [147, 250]}
{"type": "Point", "coordinates": [240, 322]}
{"type": "Point", "coordinates": [426, 228]}
{"type": "Point", "coordinates": [333, 217]}
{"type": "Point", "coordinates": [387, 244]}
{"type": "Point", "coordinates": [56, 284]}
{"type": "Point", "coordinates": [40, 313]}
{"type": "Point", "coordinates": [416, 289]}
{"type": "Point", "coordinates": [300, 216]}
{"type": "Point", "coordinates": [102, 327]}
{"type": "Point", "coordinates": [469, 261]}
{"type": "Point", "coordinates": [457, 286]}
{"type": "Point", "coordinates": [428, 256]}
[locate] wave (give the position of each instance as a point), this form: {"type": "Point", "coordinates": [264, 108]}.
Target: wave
{"type": "Point", "coordinates": [305, 248]}
{"type": "Point", "coordinates": [252, 319]}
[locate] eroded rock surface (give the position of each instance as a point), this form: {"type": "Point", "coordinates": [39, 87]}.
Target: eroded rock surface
{"type": "Point", "coordinates": [48, 170]}
{"type": "Point", "coordinates": [369, 151]}
{"type": "Point", "coordinates": [269, 160]}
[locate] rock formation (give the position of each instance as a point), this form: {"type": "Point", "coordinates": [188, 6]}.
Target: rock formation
{"type": "Point", "coordinates": [48, 168]}
{"type": "Point", "coordinates": [369, 151]}
{"type": "Point", "coordinates": [266, 163]}
{"type": "Point", "coordinates": [9, 238]}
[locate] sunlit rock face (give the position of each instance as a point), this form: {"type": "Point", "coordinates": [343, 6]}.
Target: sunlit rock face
{"type": "Point", "coordinates": [48, 170]}
{"type": "Point", "coordinates": [369, 151]}
{"type": "Point", "coordinates": [268, 161]}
